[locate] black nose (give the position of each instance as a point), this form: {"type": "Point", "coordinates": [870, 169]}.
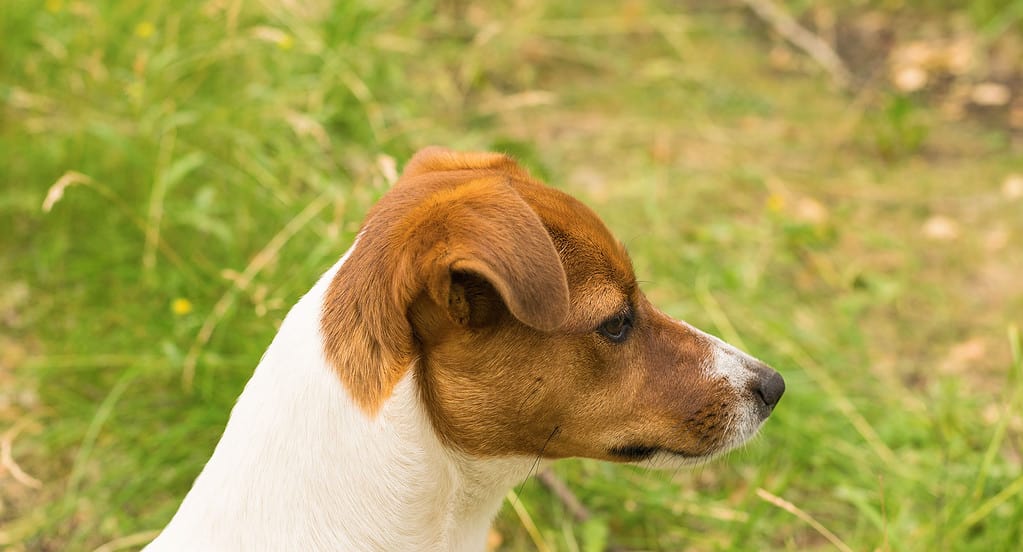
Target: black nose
{"type": "Point", "coordinates": [768, 385]}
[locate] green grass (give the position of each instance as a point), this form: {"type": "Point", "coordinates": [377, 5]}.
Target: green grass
{"type": "Point", "coordinates": [226, 152]}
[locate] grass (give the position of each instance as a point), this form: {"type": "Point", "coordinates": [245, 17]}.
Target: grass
{"type": "Point", "coordinates": [219, 155]}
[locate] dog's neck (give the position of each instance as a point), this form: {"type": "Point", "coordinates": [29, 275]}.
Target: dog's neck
{"type": "Point", "coordinates": [301, 467]}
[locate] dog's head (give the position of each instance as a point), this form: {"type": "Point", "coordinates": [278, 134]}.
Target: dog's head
{"type": "Point", "coordinates": [528, 335]}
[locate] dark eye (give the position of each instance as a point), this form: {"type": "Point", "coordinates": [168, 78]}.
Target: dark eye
{"type": "Point", "coordinates": [616, 328]}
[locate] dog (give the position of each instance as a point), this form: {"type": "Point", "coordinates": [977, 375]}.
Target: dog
{"type": "Point", "coordinates": [481, 321]}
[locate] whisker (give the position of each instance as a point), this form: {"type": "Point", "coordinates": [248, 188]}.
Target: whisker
{"type": "Point", "coordinates": [539, 457]}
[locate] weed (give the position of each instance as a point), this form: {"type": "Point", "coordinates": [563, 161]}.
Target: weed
{"type": "Point", "coordinates": [201, 164]}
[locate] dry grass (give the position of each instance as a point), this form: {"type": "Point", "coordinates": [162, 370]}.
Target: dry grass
{"type": "Point", "coordinates": [214, 158]}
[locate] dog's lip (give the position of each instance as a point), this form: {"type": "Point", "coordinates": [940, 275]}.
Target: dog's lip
{"type": "Point", "coordinates": [636, 453]}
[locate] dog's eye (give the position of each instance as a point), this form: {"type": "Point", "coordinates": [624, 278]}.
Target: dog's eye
{"type": "Point", "coordinates": [616, 328]}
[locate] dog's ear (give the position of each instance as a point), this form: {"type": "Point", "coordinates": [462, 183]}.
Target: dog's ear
{"type": "Point", "coordinates": [493, 234]}
{"type": "Point", "coordinates": [414, 241]}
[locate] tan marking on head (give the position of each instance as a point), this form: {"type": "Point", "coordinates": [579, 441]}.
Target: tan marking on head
{"type": "Point", "coordinates": [497, 285]}
{"type": "Point", "coordinates": [495, 387]}
{"type": "Point", "coordinates": [467, 220]}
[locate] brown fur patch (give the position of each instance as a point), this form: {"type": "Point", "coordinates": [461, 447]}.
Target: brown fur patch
{"type": "Point", "coordinates": [413, 241]}
{"type": "Point", "coordinates": [497, 285]}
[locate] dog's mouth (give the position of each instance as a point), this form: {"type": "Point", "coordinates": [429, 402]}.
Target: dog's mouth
{"type": "Point", "coordinates": [638, 453]}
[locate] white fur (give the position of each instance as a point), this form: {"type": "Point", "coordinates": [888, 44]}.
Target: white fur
{"type": "Point", "coordinates": [726, 361]}
{"type": "Point", "coordinates": [734, 364]}
{"type": "Point", "coordinates": [301, 467]}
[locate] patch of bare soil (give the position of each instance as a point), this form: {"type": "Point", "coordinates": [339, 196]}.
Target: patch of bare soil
{"type": "Point", "coordinates": [964, 71]}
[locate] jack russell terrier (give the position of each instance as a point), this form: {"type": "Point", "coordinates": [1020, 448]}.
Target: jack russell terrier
{"type": "Point", "coordinates": [480, 321]}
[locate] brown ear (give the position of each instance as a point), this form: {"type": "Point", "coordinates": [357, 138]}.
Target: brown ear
{"type": "Point", "coordinates": [413, 240]}
{"type": "Point", "coordinates": [494, 234]}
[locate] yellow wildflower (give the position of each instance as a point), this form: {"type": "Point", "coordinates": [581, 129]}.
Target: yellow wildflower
{"type": "Point", "coordinates": [181, 306]}
{"type": "Point", "coordinates": [145, 29]}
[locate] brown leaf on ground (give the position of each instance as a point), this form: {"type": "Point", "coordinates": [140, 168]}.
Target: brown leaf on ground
{"type": "Point", "coordinates": [1012, 187]}
{"type": "Point", "coordinates": [990, 94]}
{"type": "Point", "coordinates": [940, 228]}
{"type": "Point", "coordinates": [963, 355]}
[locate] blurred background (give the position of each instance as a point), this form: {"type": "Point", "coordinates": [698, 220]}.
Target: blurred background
{"type": "Point", "coordinates": [836, 187]}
